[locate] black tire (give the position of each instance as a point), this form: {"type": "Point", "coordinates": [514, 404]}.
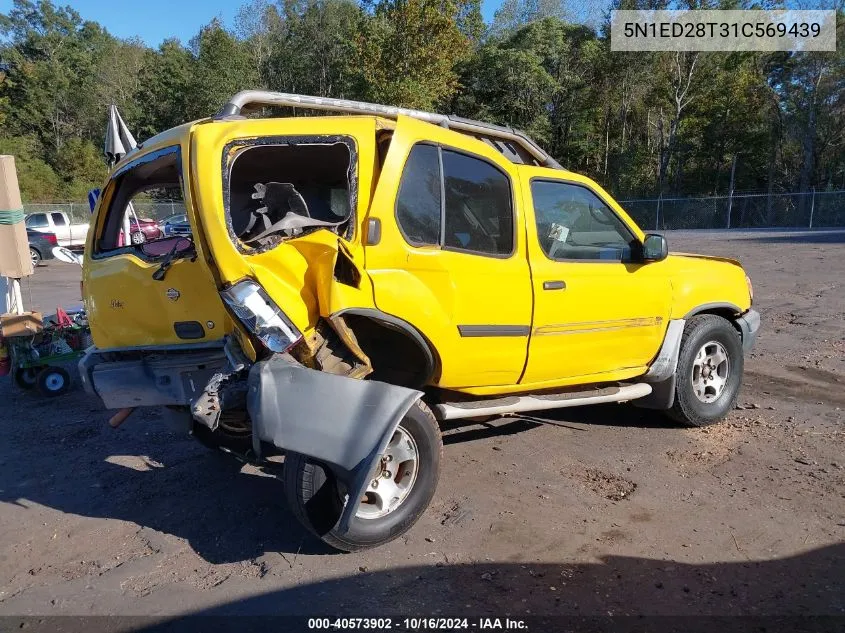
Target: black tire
{"type": "Point", "coordinates": [26, 377]}
{"type": "Point", "coordinates": [700, 330]}
{"type": "Point", "coordinates": [35, 256]}
{"type": "Point", "coordinates": [314, 498]}
{"type": "Point", "coordinates": [222, 440]}
{"type": "Point", "coordinates": [53, 381]}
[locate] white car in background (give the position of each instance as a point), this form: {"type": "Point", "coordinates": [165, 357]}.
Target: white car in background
{"type": "Point", "coordinates": [68, 234]}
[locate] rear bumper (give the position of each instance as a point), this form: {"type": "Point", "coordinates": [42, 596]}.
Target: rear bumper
{"type": "Point", "coordinates": [156, 376]}
{"type": "Point", "coordinates": [749, 327]}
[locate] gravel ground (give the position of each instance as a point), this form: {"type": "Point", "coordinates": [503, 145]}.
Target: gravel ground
{"type": "Point", "coordinates": [609, 510]}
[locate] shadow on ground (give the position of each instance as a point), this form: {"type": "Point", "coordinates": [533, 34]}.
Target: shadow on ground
{"type": "Point", "coordinates": [149, 472]}
{"type": "Point", "coordinates": [813, 237]}
{"type": "Point", "coordinates": [800, 593]}
{"type": "Point", "coordinates": [574, 418]}
{"type": "Point", "coordinates": [154, 474]}
{"type": "Point", "coordinates": [809, 584]}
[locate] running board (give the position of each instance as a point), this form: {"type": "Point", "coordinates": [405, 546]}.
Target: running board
{"type": "Point", "coordinates": [539, 402]}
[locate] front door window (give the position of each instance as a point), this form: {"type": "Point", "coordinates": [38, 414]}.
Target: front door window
{"type": "Point", "coordinates": [574, 224]}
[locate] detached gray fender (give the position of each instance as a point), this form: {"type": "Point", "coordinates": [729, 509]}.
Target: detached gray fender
{"type": "Point", "coordinates": [749, 328]}
{"type": "Point", "coordinates": [343, 422]}
{"type": "Point", "coordinates": [662, 372]}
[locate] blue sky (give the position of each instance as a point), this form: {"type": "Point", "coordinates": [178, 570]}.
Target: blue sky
{"type": "Point", "coordinates": [156, 20]}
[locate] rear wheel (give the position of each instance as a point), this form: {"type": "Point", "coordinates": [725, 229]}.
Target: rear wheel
{"type": "Point", "coordinates": [709, 372]}
{"type": "Point", "coordinates": [395, 498]}
{"type": "Point", "coordinates": [35, 256]}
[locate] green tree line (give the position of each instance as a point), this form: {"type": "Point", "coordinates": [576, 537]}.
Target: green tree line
{"type": "Point", "coordinates": [642, 124]}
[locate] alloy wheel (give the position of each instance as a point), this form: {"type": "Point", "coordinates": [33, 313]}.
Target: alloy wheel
{"type": "Point", "coordinates": [394, 478]}
{"type": "Point", "coordinates": [710, 371]}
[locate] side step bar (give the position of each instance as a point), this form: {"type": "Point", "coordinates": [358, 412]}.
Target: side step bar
{"type": "Point", "coordinates": [539, 402]}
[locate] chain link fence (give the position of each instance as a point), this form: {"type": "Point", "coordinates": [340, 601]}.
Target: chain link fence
{"type": "Point", "coordinates": [80, 212]}
{"type": "Point", "coordinates": [818, 209]}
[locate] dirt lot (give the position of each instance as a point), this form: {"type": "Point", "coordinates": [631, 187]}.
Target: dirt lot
{"type": "Point", "coordinates": [612, 510]}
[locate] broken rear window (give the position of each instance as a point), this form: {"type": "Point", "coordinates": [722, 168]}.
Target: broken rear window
{"type": "Point", "coordinates": [280, 189]}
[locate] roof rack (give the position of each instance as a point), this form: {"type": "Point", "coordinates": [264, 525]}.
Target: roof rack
{"type": "Point", "coordinates": [516, 145]}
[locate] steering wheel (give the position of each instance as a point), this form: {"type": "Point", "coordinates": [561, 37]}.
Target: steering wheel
{"type": "Point", "coordinates": [600, 217]}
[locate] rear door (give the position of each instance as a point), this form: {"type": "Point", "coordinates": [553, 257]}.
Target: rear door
{"type": "Point", "coordinates": [451, 259]}
{"type": "Point", "coordinates": [127, 307]}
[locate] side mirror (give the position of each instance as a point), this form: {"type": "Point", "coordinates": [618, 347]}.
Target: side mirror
{"type": "Point", "coordinates": [655, 248]}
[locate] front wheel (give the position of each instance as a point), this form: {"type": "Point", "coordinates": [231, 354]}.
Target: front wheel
{"type": "Point", "coordinates": [398, 494]}
{"type": "Point", "coordinates": [138, 237]}
{"type": "Point", "coordinates": [709, 372]}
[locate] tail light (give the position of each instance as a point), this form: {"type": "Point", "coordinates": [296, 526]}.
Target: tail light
{"type": "Point", "coordinates": [259, 313]}
{"type": "Point", "coordinates": [51, 237]}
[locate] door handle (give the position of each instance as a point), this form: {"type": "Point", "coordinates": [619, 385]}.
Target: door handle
{"type": "Point", "coordinates": [554, 285]}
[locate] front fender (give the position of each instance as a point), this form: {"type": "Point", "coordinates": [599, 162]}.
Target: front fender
{"type": "Point", "coordinates": [343, 422]}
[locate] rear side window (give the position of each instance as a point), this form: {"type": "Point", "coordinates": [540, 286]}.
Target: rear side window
{"type": "Point", "coordinates": [58, 219]}
{"type": "Point", "coordinates": [455, 201]}
{"type": "Point", "coordinates": [37, 221]}
{"type": "Point", "coordinates": [419, 203]}
{"type": "Point", "coordinates": [478, 214]}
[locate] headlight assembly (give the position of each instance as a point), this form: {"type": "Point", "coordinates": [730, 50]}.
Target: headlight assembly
{"type": "Point", "coordinates": [260, 315]}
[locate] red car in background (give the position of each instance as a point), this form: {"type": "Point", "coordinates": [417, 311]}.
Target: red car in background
{"type": "Point", "coordinates": [143, 230]}
{"type": "Point", "coordinates": [140, 231]}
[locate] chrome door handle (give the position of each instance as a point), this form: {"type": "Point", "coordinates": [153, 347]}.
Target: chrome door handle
{"type": "Point", "coordinates": [554, 285]}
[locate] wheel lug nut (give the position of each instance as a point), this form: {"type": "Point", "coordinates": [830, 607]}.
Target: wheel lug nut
{"type": "Point", "coordinates": [389, 458]}
{"type": "Point", "coordinates": [374, 483]}
{"type": "Point", "coordinates": [387, 474]}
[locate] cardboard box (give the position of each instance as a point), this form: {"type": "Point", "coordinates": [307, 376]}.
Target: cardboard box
{"type": "Point", "coordinates": [14, 244]}
{"type": "Point", "coordinates": [25, 324]}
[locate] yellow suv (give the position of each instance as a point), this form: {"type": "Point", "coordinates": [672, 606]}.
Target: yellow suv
{"type": "Point", "coordinates": [349, 281]}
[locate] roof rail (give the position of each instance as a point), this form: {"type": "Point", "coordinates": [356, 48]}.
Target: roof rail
{"type": "Point", "coordinates": [495, 135]}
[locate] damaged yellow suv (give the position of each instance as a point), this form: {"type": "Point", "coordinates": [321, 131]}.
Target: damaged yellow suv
{"type": "Point", "coordinates": [349, 281]}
